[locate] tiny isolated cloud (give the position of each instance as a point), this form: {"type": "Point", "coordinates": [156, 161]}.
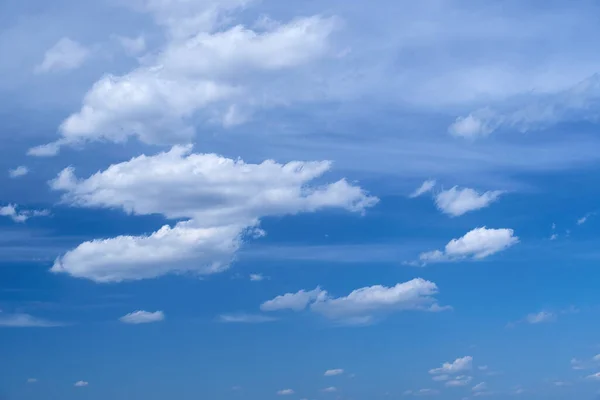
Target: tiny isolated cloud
{"type": "Point", "coordinates": [245, 318]}
{"type": "Point", "coordinates": [476, 244]}
{"type": "Point", "coordinates": [257, 277]}
{"type": "Point", "coordinates": [330, 389]}
{"type": "Point", "coordinates": [456, 201]}
{"type": "Point", "coordinates": [452, 368]}
{"type": "Point", "coordinates": [32, 380]}
{"type": "Point", "coordinates": [425, 187]}
{"type": "Point", "coordinates": [334, 372]}
{"type": "Point", "coordinates": [81, 384]}
{"type": "Point", "coordinates": [362, 306]}
{"type": "Point", "coordinates": [65, 55]}
{"type": "Point", "coordinates": [18, 172]}
{"type": "Point", "coordinates": [142, 317]}
{"type": "Point", "coordinates": [285, 392]}
{"type": "Point", "coordinates": [594, 377]}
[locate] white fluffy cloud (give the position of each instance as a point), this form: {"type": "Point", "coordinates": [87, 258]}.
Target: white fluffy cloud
{"type": "Point", "coordinates": [81, 384]}
{"type": "Point", "coordinates": [462, 380]}
{"type": "Point", "coordinates": [473, 125]}
{"type": "Point", "coordinates": [65, 55]}
{"type": "Point", "coordinates": [451, 368]}
{"type": "Point", "coordinates": [220, 201]}
{"type": "Point", "coordinates": [361, 305]}
{"type": "Point", "coordinates": [207, 69]}
{"type": "Point", "coordinates": [425, 187]}
{"type": "Point", "coordinates": [330, 389]}
{"type": "Point", "coordinates": [457, 201]}
{"type": "Point", "coordinates": [12, 211]}
{"type": "Point", "coordinates": [18, 172]}
{"type": "Point", "coordinates": [142, 317]}
{"type": "Point", "coordinates": [477, 244]}
{"type": "Point", "coordinates": [334, 372]}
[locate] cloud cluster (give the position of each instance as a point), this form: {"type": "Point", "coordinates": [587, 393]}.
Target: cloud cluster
{"type": "Point", "coordinates": [219, 203]}
{"type": "Point", "coordinates": [12, 211]}
{"type": "Point", "coordinates": [362, 305]}
{"type": "Point", "coordinates": [207, 69]}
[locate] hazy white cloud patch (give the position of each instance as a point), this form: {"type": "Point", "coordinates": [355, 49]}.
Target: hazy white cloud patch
{"type": "Point", "coordinates": [18, 172]}
{"type": "Point", "coordinates": [451, 368]}
{"type": "Point", "coordinates": [81, 384]}
{"type": "Point", "coordinates": [285, 392]}
{"type": "Point", "coordinates": [65, 55]}
{"type": "Point", "coordinates": [22, 320]}
{"type": "Point", "coordinates": [334, 372]}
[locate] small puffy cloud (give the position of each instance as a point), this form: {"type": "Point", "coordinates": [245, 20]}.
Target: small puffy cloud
{"type": "Point", "coordinates": [142, 317]}
{"type": "Point", "coordinates": [12, 211]}
{"type": "Point", "coordinates": [477, 244]}
{"type": "Point", "coordinates": [426, 187]}
{"type": "Point", "coordinates": [245, 318]}
{"type": "Point", "coordinates": [362, 305]}
{"type": "Point", "coordinates": [456, 201]}
{"type": "Point", "coordinates": [285, 392]}
{"type": "Point", "coordinates": [32, 380]}
{"type": "Point", "coordinates": [452, 368]}
{"type": "Point", "coordinates": [219, 203]}
{"type": "Point", "coordinates": [292, 301]}
{"type": "Point", "coordinates": [554, 236]}
{"type": "Point", "coordinates": [21, 320]}
{"type": "Point", "coordinates": [330, 389]}
{"type": "Point", "coordinates": [45, 150]}
{"type": "Point", "coordinates": [578, 364]}
{"type": "Point", "coordinates": [18, 172]}
{"type": "Point", "coordinates": [81, 384]}
{"type": "Point", "coordinates": [540, 317]}
{"type": "Point", "coordinates": [334, 372]}
{"type": "Point", "coordinates": [462, 380]}
{"type": "Point", "coordinates": [65, 55]}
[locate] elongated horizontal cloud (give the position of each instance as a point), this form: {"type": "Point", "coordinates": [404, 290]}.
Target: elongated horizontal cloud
{"type": "Point", "coordinates": [20, 320]}
{"type": "Point", "coordinates": [457, 201]}
{"type": "Point", "coordinates": [18, 172]}
{"type": "Point", "coordinates": [362, 305]}
{"type": "Point", "coordinates": [245, 318]}
{"type": "Point", "coordinates": [476, 244]}
{"type": "Point", "coordinates": [451, 368]}
{"type": "Point", "coordinates": [13, 212]}
{"type": "Point", "coordinates": [334, 372]}
{"type": "Point", "coordinates": [218, 201]}
{"type": "Point", "coordinates": [142, 317]}
{"type": "Point", "coordinates": [204, 70]}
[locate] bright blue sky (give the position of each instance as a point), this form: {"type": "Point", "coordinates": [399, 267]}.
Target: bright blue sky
{"type": "Point", "coordinates": [415, 214]}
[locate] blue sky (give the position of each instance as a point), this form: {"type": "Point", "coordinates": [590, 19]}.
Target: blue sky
{"type": "Point", "coordinates": [244, 199]}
